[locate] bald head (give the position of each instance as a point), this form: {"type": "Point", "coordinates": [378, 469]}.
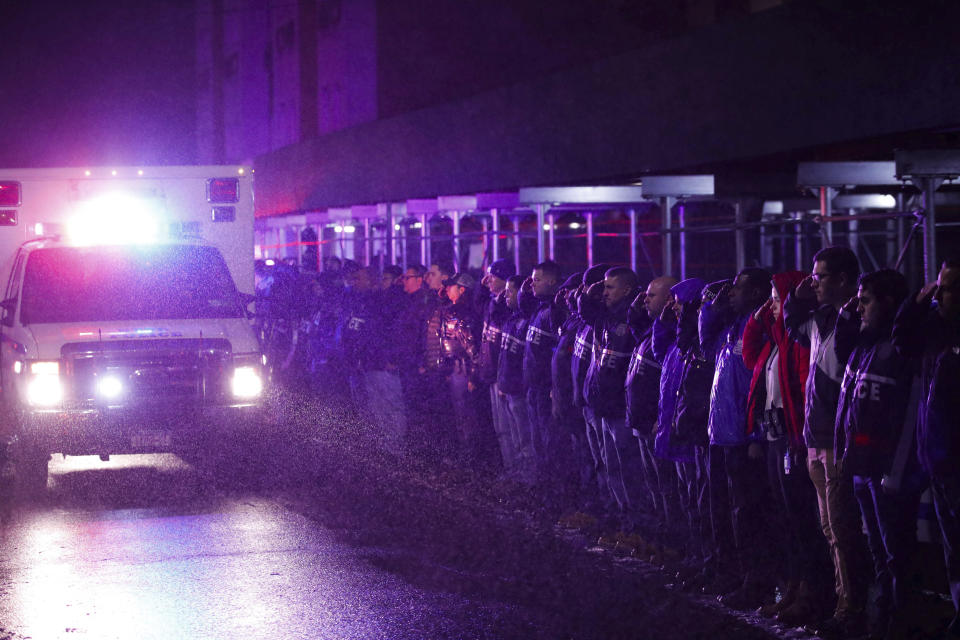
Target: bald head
{"type": "Point", "coordinates": [658, 295]}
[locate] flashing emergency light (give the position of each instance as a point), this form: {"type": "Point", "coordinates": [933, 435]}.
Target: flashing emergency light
{"type": "Point", "coordinates": [10, 194]}
{"type": "Point", "coordinates": [44, 389]}
{"type": "Point", "coordinates": [114, 218]}
{"type": "Point", "coordinates": [223, 190]}
{"type": "Point", "coordinates": [246, 383]}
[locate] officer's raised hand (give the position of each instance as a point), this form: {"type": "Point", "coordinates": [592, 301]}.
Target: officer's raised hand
{"type": "Point", "coordinates": [595, 292]}
{"type": "Point", "coordinates": [527, 286]}
{"type": "Point", "coordinates": [927, 293]}
{"type": "Point", "coordinates": [805, 290]}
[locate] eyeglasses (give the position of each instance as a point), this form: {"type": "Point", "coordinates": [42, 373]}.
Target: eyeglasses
{"type": "Point", "coordinates": [820, 277]}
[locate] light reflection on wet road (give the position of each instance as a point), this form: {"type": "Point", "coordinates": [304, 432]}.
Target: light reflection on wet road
{"type": "Point", "coordinates": [196, 565]}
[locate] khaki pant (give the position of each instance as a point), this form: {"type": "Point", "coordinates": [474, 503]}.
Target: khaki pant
{"type": "Point", "coordinates": [840, 522]}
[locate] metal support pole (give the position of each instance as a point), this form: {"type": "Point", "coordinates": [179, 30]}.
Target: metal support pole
{"type": "Point", "coordinates": [456, 240]}
{"type": "Point", "coordinates": [798, 242]}
{"type": "Point", "coordinates": [667, 238]}
{"type": "Point", "coordinates": [425, 240]}
{"type": "Point", "coordinates": [682, 213]}
{"type": "Point", "coordinates": [900, 230]}
{"type": "Point", "coordinates": [930, 266]}
{"type": "Point", "coordinates": [495, 223]}
{"type": "Point", "coordinates": [551, 236]}
{"type": "Point", "coordinates": [516, 243]}
{"type": "Point", "coordinates": [826, 228]}
{"type": "Point", "coordinates": [484, 241]}
{"type": "Point", "coordinates": [541, 210]}
{"type": "Point", "coordinates": [632, 214]}
{"type": "Point", "coordinates": [589, 216]}
{"type": "Point", "coordinates": [367, 242]}
{"type": "Point", "coordinates": [738, 237]}
{"type": "Point", "coordinates": [389, 236]}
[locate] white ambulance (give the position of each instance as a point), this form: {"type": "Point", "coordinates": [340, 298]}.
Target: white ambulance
{"type": "Point", "coordinates": [125, 326]}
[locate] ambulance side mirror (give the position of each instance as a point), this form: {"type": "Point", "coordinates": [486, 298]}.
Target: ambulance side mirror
{"type": "Point", "coordinates": [8, 307]}
{"type": "Point", "coordinates": [246, 299]}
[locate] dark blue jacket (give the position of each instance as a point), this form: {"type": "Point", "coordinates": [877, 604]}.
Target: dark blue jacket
{"type": "Point", "coordinates": [871, 417]}
{"type": "Point", "coordinates": [589, 312]}
{"type": "Point", "coordinates": [727, 423]}
{"type": "Point", "coordinates": [921, 335]}
{"type": "Point", "coordinates": [510, 365]}
{"type": "Point", "coordinates": [561, 365]}
{"type": "Point", "coordinates": [642, 384]}
{"type": "Point", "coordinates": [612, 347]}
{"type": "Point", "coordinates": [546, 316]}
{"type": "Point", "coordinates": [495, 312]}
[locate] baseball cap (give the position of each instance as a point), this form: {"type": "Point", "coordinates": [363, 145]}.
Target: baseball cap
{"type": "Point", "coordinates": [502, 269]}
{"type": "Point", "coordinates": [462, 279]}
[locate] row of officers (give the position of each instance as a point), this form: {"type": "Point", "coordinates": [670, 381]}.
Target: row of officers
{"type": "Point", "coordinates": [767, 434]}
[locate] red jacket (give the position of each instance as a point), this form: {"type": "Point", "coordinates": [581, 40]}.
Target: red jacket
{"type": "Point", "coordinates": [758, 340]}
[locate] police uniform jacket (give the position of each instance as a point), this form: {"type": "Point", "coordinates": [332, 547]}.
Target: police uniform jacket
{"type": "Point", "coordinates": [495, 313]}
{"type": "Point", "coordinates": [542, 337]}
{"type": "Point", "coordinates": [871, 417]}
{"type": "Point", "coordinates": [612, 347]}
{"type": "Point", "coordinates": [510, 366]}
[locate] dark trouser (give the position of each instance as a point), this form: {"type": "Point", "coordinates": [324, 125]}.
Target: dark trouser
{"type": "Point", "coordinates": [719, 546]}
{"type": "Point", "coordinates": [385, 401]}
{"type": "Point", "coordinates": [506, 438]}
{"type": "Point", "coordinates": [430, 424]}
{"type": "Point", "coordinates": [890, 520]}
{"type": "Point", "coordinates": [695, 503]}
{"type": "Point", "coordinates": [594, 437]}
{"type": "Point", "coordinates": [795, 525]}
{"type": "Point", "coordinates": [623, 463]}
{"type": "Point", "coordinates": [648, 474]}
{"type": "Point", "coordinates": [541, 418]}
{"type": "Point", "coordinates": [946, 502]}
{"type": "Point", "coordinates": [471, 443]}
{"type": "Point", "coordinates": [578, 472]}
{"type": "Point", "coordinates": [749, 497]}
{"type": "Point", "coordinates": [518, 415]}
{"type": "Point", "coordinates": [661, 477]}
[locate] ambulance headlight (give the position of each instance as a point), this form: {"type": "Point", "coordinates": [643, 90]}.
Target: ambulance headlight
{"type": "Point", "coordinates": [110, 388]}
{"type": "Point", "coordinates": [44, 388]}
{"type": "Point", "coordinates": [247, 383]}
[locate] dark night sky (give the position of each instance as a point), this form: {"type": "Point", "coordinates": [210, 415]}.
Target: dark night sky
{"type": "Point", "coordinates": [97, 83]}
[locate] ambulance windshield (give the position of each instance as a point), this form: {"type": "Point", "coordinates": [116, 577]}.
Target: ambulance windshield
{"type": "Point", "coordinates": [84, 284]}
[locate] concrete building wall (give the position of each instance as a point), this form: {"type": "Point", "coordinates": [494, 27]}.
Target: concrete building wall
{"type": "Point", "coordinates": [787, 79]}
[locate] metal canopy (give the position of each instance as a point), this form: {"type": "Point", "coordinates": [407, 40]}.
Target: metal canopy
{"type": "Point", "coordinates": [677, 186]}
{"type": "Point", "coordinates": [590, 196]}
{"type": "Point", "coordinates": [865, 201]}
{"type": "Point", "coordinates": [842, 174]}
{"type": "Point", "coordinates": [928, 170]}
{"type": "Point", "coordinates": [936, 163]}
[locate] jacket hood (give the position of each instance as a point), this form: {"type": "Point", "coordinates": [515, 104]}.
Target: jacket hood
{"type": "Point", "coordinates": [688, 290]}
{"type": "Point", "coordinates": [787, 281]}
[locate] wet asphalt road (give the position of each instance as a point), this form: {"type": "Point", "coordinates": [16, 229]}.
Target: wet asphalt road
{"type": "Point", "coordinates": [314, 534]}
